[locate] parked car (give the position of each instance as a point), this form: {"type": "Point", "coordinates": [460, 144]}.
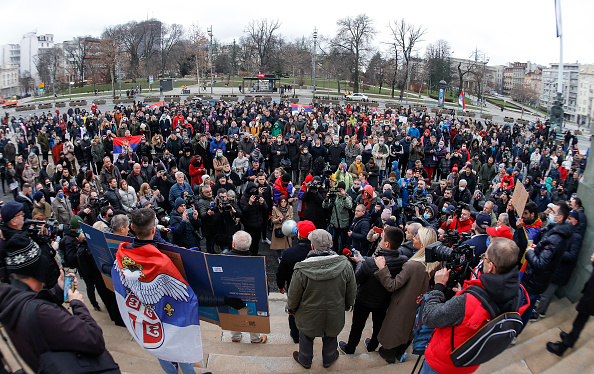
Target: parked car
{"type": "Point", "coordinates": [10, 104]}
{"type": "Point", "coordinates": [357, 97]}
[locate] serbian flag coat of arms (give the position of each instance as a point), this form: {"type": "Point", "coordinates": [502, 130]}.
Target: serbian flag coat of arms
{"type": "Point", "coordinates": [296, 108]}
{"type": "Point", "coordinates": [121, 144]}
{"type": "Point", "coordinates": [157, 305]}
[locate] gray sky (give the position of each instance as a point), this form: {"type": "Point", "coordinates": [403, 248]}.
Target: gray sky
{"type": "Point", "coordinates": [505, 30]}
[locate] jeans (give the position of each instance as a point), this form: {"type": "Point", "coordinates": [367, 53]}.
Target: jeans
{"type": "Point", "coordinates": [360, 315]}
{"type": "Point", "coordinates": [329, 348]}
{"type": "Point", "coordinates": [339, 239]}
{"type": "Point", "coordinates": [545, 299]}
{"type": "Point", "coordinates": [426, 369]}
{"type": "Point", "coordinates": [170, 368]}
{"type": "Point", "coordinates": [528, 313]}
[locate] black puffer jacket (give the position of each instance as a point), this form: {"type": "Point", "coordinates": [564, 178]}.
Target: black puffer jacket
{"type": "Point", "coordinates": [372, 293]}
{"type": "Point", "coordinates": [569, 259]}
{"type": "Point", "coordinates": [252, 214]}
{"type": "Point", "coordinates": [543, 260]}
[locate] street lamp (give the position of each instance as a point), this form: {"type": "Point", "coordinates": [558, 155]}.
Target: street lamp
{"type": "Point", "coordinates": [315, 38]}
{"type": "Point", "coordinates": [210, 49]}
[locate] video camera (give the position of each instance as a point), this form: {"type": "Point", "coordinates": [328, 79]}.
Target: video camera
{"type": "Point", "coordinates": [98, 202]}
{"type": "Point", "coordinates": [54, 228]}
{"type": "Point", "coordinates": [457, 259]}
{"type": "Point", "coordinates": [224, 204]}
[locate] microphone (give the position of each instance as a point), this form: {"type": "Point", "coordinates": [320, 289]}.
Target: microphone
{"type": "Point", "coordinates": [347, 252]}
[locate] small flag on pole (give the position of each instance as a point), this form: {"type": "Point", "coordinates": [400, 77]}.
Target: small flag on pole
{"type": "Point", "coordinates": [461, 100]}
{"type": "Point", "coordinates": [558, 16]}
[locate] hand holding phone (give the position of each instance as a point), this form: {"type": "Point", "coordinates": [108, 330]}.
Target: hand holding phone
{"type": "Point", "coordinates": [68, 286]}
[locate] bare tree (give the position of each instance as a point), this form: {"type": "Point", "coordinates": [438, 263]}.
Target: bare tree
{"type": "Point", "coordinates": [438, 61]}
{"type": "Point", "coordinates": [354, 37]}
{"type": "Point", "coordinates": [170, 43]}
{"type": "Point", "coordinates": [47, 63]}
{"type": "Point", "coordinates": [405, 37]}
{"type": "Point", "coordinates": [109, 52]}
{"type": "Point", "coordinates": [76, 56]}
{"type": "Point", "coordinates": [262, 41]}
{"type": "Point", "coordinates": [376, 70]}
{"type": "Point", "coordinates": [198, 48]}
{"type": "Point", "coordinates": [26, 81]}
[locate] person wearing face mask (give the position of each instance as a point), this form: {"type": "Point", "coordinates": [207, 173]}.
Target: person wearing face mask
{"type": "Point", "coordinates": [62, 208]}
{"type": "Point", "coordinates": [543, 258]}
{"type": "Point", "coordinates": [462, 193]}
{"type": "Point", "coordinates": [218, 161]}
{"type": "Point", "coordinates": [278, 151]}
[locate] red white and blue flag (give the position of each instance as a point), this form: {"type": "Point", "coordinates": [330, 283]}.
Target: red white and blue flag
{"type": "Point", "coordinates": [296, 108]}
{"type": "Point", "coordinates": [156, 303]}
{"type": "Point", "coordinates": [160, 103]}
{"type": "Point", "coordinates": [460, 101]}
{"type": "Point", "coordinates": [121, 145]}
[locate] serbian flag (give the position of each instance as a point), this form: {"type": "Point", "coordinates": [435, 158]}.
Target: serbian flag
{"type": "Point", "coordinates": [160, 103]}
{"type": "Point", "coordinates": [296, 108]}
{"type": "Point", "coordinates": [121, 145]}
{"type": "Point", "coordinates": [461, 100]}
{"type": "Point", "coordinates": [156, 303]}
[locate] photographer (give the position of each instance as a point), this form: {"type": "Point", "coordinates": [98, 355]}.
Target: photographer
{"type": "Point", "coordinates": [20, 240]}
{"type": "Point", "coordinates": [226, 219]}
{"type": "Point", "coordinates": [180, 189]}
{"type": "Point", "coordinates": [184, 225]}
{"type": "Point", "coordinates": [90, 210]}
{"type": "Point", "coordinates": [162, 182]}
{"type": "Point", "coordinates": [104, 219]}
{"type": "Point", "coordinates": [253, 207]}
{"type": "Point", "coordinates": [460, 317]}
{"type": "Point", "coordinates": [340, 204]}
{"type": "Point", "coordinates": [314, 197]}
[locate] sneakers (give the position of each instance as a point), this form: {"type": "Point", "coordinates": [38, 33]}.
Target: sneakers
{"type": "Point", "coordinates": [557, 348]}
{"type": "Point", "coordinates": [534, 317]}
{"type": "Point", "coordinates": [266, 241]}
{"type": "Point", "coordinates": [263, 339]}
{"type": "Point", "coordinates": [296, 358]}
{"type": "Point", "coordinates": [326, 366]}
{"type": "Point", "coordinates": [343, 348]}
{"type": "Point", "coordinates": [513, 342]}
{"type": "Point", "coordinates": [403, 357]}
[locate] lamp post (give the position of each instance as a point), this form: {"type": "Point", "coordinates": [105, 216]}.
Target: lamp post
{"type": "Point", "coordinates": [210, 58]}
{"type": "Point", "coordinates": [315, 47]}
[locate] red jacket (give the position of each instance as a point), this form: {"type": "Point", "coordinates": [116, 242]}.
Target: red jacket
{"type": "Point", "coordinates": [439, 349]}
{"type": "Point", "coordinates": [463, 226]}
{"type": "Point", "coordinates": [196, 173]}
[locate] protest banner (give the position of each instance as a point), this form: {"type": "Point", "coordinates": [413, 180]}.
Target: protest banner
{"type": "Point", "coordinates": [519, 198]}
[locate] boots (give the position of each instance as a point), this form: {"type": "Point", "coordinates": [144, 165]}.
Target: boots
{"type": "Point", "coordinates": [557, 348]}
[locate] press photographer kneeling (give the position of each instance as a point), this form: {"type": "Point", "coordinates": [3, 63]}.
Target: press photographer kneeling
{"type": "Point", "coordinates": [459, 321]}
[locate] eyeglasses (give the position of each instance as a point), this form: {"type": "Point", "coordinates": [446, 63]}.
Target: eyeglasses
{"type": "Point", "coordinates": [484, 258]}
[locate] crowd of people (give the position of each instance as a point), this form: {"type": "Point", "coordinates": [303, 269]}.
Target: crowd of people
{"type": "Point", "coordinates": [380, 184]}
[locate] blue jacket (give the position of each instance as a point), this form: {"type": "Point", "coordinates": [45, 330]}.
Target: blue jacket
{"type": "Point", "coordinates": [360, 228]}
{"type": "Point", "coordinates": [183, 231]}
{"type": "Point", "coordinates": [414, 132]}
{"type": "Point", "coordinates": [542, 202]}
{"type": "Point", "coordinates": [214, 146]}
{"type": "Point", "coordinates": [177, 191]}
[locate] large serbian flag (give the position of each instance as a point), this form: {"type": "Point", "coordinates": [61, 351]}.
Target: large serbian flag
{"type": "Point", "coordinates": [460, 101]}
{"type": "Point", "coordinates": [157, 305]}
{"type": "Point", "coordinates": [296, 108]}
{"type": "Point", "coordinates": [121, 145]}
{"type": "Point", "coordinates": [160, 103]}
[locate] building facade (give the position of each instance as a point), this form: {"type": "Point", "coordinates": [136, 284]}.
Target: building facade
{"type": "Point", "coordinates": [533, 83]}
{"type": "Point", "coordinates": [585, 98]}
{"type": "Point", "coordinates": [569, 90]}
{"type": "Point", "coordinates": [508, 74]}
{"type": "Point", "coordinates": [30, 45]}
{"type": "Point", "coordinates": [9, 80]}
{"type": "Point", "coordinates": [10, 54]}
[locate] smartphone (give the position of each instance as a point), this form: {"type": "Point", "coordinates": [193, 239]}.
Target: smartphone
{"type": "Point", "coordinates": [191, 210]}
{"type": "Point", "coordinates": [68, 285]}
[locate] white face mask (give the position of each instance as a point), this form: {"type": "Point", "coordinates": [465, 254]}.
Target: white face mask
{"type": "Point", "coordinates": [462, 188]}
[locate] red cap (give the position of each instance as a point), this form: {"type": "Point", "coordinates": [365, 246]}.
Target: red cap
{"type": "Point", "coordinates": [305, 228]}
{"type": "Point", "coordinates": [500, 231]}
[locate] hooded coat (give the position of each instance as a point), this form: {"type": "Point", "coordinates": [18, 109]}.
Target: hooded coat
{"type": "Point", "coordinates": [323, 286]}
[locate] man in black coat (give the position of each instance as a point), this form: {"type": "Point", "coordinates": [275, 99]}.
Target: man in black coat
{"type": "Point", "coordinates": [372, 297]}
{"type": "Point", "coordinates": [253, 206]}
{"type": "Point", "coordinates": [291, 256]}
{"type": "Point", "coordinates": [544, 257]}
{"type": "Point", "coordinates": [314, 197]}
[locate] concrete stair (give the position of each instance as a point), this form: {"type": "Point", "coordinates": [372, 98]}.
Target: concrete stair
{"type": "Point", "coordinates": [528, 356]}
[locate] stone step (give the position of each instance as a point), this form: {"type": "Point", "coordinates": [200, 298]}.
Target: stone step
{"type": "Point", "coordinates": [225, 363]}
{"type": "Point", "coordinates": [575, 361]}
{"type": "Point", "coordinates": [519, 367]}
{"type": "Point", "coordinates": [556, 314]}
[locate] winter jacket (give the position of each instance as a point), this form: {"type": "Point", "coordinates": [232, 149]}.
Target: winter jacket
{"type": "Point", "coordinates": [106, 174]}
{"type": "Point", "coordinates": [323, 286]}
{"type": "Point", "coordinates": [569, 259]}
{"type": "Point", "coordinates": [360, 228]}
{"type": "Point", "coordinates": [371, 293]}
{"type": "Point", "coordinates": [183, 231]}
{"type": "Point", "coordinates": [252, 215]}
{"type": "Point", "coordinates": [59, 329]}
{"type": "Point", "coordinates": [62, 210]}
{"type": "Point", "coordinates": [543, 260]}
{"type": "Point", "coordinates": [339, 211]}
{"type": "Point", "coordinates": [291, 256]}
{"type": "Point", "coordinates": [129, 200]}
{"type": "Point", "coordinates": [463, 316]}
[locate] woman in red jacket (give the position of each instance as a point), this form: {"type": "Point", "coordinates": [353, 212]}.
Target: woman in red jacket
{"type": "Point", "coordinates": [197, 170]}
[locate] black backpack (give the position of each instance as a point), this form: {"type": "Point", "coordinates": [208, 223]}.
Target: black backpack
{"type": "Point", "coordinates": [495, 336]}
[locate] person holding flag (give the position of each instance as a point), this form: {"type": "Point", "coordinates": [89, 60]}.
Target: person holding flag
{"type": "Point", "coordinates": [461, 100]}
{"type": "Point", "coordinates": [156, 303]}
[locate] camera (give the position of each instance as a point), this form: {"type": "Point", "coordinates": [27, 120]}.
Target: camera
{"type": "Point", "coordinates": [98, 202]}
{"type": "Point", "coordinates": [53, 228]}
{"type": "Point", "coordinates": [456, 258]}
{"type": "Point", "coordinates": [224, 205]}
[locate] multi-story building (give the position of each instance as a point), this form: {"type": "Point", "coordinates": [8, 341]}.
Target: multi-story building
{"type": "Point", "coordinates": [30, 45]}
{"type": "Point", "coordinates": [508, 74]}
{"type": "Point", "coordinates": [499, 78]}
{"type": "Point", "coordinates": [569, 90]}
{"type": "Point", "coordinates": [518, 73]}
{"type": "Point", "coordinates": [585, 98]}
{"type": "Point", "coordinates": [10, 54]}
{"type": "Point", "coordinates": [533, 82]}
{"type": "Point", "coordinates": [9, 80]}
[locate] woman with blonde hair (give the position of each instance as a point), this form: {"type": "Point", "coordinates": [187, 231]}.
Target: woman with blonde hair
{"type": "Point", "coordinates": [148, 196]}
{"type": "Point", "coordinates": [413, 281]}
{"type": "Point", "coordinates": [128, 194]}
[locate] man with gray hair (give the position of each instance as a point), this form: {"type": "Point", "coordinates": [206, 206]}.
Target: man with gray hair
{"type": "Point", "coordinates": [322, 288]}
{"type": "Point", "coordinates": [503, 219]}
{"type": "Point", "coordinates": [120, 225]}
{"type": "Point", "coordinates": [180, 189]}
{"type": "Point", "coordinates": [241, 247]}
{"type": "Point", "coordinates": [462, 194]}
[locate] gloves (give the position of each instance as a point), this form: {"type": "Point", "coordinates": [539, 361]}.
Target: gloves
{"type": "Point", "coordinates": [235, 302]}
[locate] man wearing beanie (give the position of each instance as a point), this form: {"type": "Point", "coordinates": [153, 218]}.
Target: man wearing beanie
{"type": "Point", "coordinates": [339, 205]}
{"type": "Point", "coordinates": [322, 288]}
{"type": "Point", "coordinates": [40, 206]}
{"type": "Point", "coordinates": [297, 253]}
{"type": "Point", "coordinates": [16, 239]}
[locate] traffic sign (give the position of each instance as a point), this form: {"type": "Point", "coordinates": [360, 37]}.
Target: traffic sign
{"type": "Point", "coordinates": [151, 79]}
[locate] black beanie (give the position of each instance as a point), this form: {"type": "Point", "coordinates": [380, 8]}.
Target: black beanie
{"type": "Point", "coordinates": [286, 178]}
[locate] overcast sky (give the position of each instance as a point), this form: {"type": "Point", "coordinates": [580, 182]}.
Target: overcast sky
{"type": "Point", "coordinates": [505, 30]}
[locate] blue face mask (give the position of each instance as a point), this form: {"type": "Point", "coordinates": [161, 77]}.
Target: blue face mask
{"type": "Point", "coordinates": [61, 195]}
{"type": "Point", "coordinates": [427, 216]}
{"type": "Point", "coordinates": [444, 209]}
{"type": "Point", "coordinates": [551, 218]}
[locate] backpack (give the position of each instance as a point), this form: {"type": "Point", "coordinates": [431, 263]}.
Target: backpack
{"type": "Point", "coordinates": [495, 336]}
{"type": "Point", "coordinates": [421, 333]}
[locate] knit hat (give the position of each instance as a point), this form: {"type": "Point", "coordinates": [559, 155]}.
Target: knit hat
{"type": "Point", "coordinates": [75, 222]}
{"type": "Point", "coordinates": [38, 195]}
{"type": "Point", "coordinates": [179, 201]}
{"type": "Point", "coordinates": [509, 171]}
{"type": "Point", "coordinates": [455, 168]}
{"type": "Point", "coordinates": [23, 256]}
{"type": "Point", "coordinates": [10, 209]}
{"type": "Point", "coordinates": [390, 222]}
{"type": "Point", "coordinates": [387, 194]}
{"type": "Point", "coordinates": [286, 178]}
{"type": "Point", "coordinates": [340, 185]}
{"type": "Point", "coordinates": [320, 239]}
{"type": "Point", "coordinates": [305, 228]}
